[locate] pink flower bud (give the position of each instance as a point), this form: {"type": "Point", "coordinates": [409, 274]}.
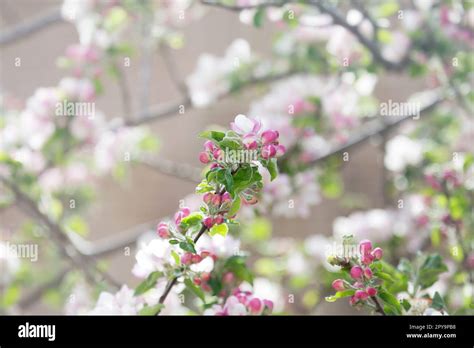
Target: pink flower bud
{"type": "Point", "coordinates": [197, 281]}
{"type": "Point", "coordinates": [353, 300]}
{"type": "Point", "coordinates": [377, 253]}
{"type": "Point", "coordinates": [186, 259]}
{"type": "Point", "coordinates": [205, 276]}
{"type": "Point", "coordinates": [268, 304]}
{"type": "Point", "coordinates": [280, 150]}
{"type": "Point", "coordinates": [208, 222]}
{"type": "Point", "coordinates": [361, 295]}
{"type": "Point", "coordinates": [268, 151]}
{"type": "Point", "coordinates": [209, 146]}
{"type": "Point", "coordinates": [216, 153]}
{"type": "Point", "coordinates": [204, 157]}
{"type": "Point", "coordinates": [180, 215]}
{"type": "Point", "coordinates": [356, 272]}
{"type": "Point", "coordinates": [196, 258]}
{"type": "Point", "coordinates": [162, 230]}
{"type": "Point", "coordinates": [367, 259]}
{"type": "Point", "coordinates": [226, 198]}
{"type": "Point", "coordinates": [365, 246]}
{"type": "Point", "coordinates": [218, 219]}
{"type": "Point", "coordinates": [269, 136]}
{"type": "Point", "coordinates": [207, 198]}
{"type": "Point", "coordinates": [250, 142]}
{"type": "Point", "coordinates": [255, 306]}
{"type": "Point", "coordinates": [216, 200]}
{"type": "Point", "coordinates": [368, 273]}
{"type": "Point", "coordinates": [205, 254]}
{"type": "Point", "coordinates": [371, 291]}
{"type": "Point", "coordinates": [338, 285]}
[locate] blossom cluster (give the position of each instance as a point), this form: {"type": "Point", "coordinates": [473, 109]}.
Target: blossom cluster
{"type": "Point", "coordinates": [207, 270]}
{"type": "Point", "coordinates": [242, 303]}
{"type": "Point", "coordinates": [364, 283]}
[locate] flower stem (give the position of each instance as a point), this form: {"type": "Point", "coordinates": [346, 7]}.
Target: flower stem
{"type": "Point", "coordinates": [378, 305]}
{"type": "Point", "coordinates": [173, 281]}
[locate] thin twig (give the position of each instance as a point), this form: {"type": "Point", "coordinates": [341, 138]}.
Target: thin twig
{"type": "Point", "coordinates": [378, 305]}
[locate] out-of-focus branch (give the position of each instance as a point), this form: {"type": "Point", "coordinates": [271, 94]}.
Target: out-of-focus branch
{"type": "Point", "coordinates": [371, 129]}
{"type": "Point", "coordinates": [60, 238]}
{"type": "Point", "coordinates": [35, 294]}
{"type": "Point", "coordinates": [337, 17]}
{"type": "Point", "coordinates": [109, 245]}
{"type": "Point", "coordinates": [160, 111]}
{"type": "Point", "coordinates": [182, 171]}
{"type": "Point", "coordinates": [30, 26]}
{"type": "Point", "coordinates": [172, 69]}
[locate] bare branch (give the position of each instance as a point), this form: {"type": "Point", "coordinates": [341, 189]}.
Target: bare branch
{"type": "Point", "coordinates": [30, 26]}
{"type": "Point", "coordinates": [337, 17]}
{"type": "Point", "coordinates": [159, 112]}
{"type": "Point", "coordinates": [371, 129]}
{"type": "Point", "coordinates": [60, 238]}
{"type": "Point", "coordinates": [179, 170]}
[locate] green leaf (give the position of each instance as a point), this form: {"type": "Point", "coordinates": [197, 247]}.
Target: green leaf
{"type": "Point", "coordinates": [204, 187]}
{"type": "Point", "coordinates": [212, 135]}
{"type": "Point", "coordinates": [258, 17]}
{"type": "Point", "coordinates": [148, 283]}
{"type": "Point", "coordinates": [191, 220]}
{"type": "Point", "coordinates": [176, 257]}
{"type": "Point", "coordinates": [151, 310]}
{"type": "Point", "coordinates": [391, 300]}
{"type": "Point", "coordinates": [438, 302]}
{"type": "Point", "coordinates": [272, 168]}
{"type": "Point", "coordinates": [221, 229]}
{"type": "Point", "coordinates": [194, 289]}
{"type": "Point", "coordinates": [186, 246]}
{"type": "Point", "coordinates": [340, 294]}
{"type": "Point", "coordinates": [384, 276]}
{"type": "Point", "coordinates": [242, 178]}
{"type": "Point", "coordinates": [406, 305]}
{"type": "Point", "coordinates": [234, 208]}
{"type": "Point", "coordinates": [237, 265]}
{"type": "Point", "coordinates": [231, 141]}
{"type": "Point", "coordinates": [430, 269]}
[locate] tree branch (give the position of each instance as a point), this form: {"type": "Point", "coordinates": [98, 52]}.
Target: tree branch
{"type": "Point", "coordinates": [60, 238]}
{"type": "Point", "coordinates": [337, 17]}
{"type": "Point", "coordinates": [371, 129]}
{"type": "Point", "coordinates": [30, 26]}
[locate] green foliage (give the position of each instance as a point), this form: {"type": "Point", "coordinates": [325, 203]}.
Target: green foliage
{"type": "Point", "coordinates": [148, 283]}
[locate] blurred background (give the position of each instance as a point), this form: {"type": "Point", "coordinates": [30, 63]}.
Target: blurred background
{"type": "Point", "coordinates": [145, 194]}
